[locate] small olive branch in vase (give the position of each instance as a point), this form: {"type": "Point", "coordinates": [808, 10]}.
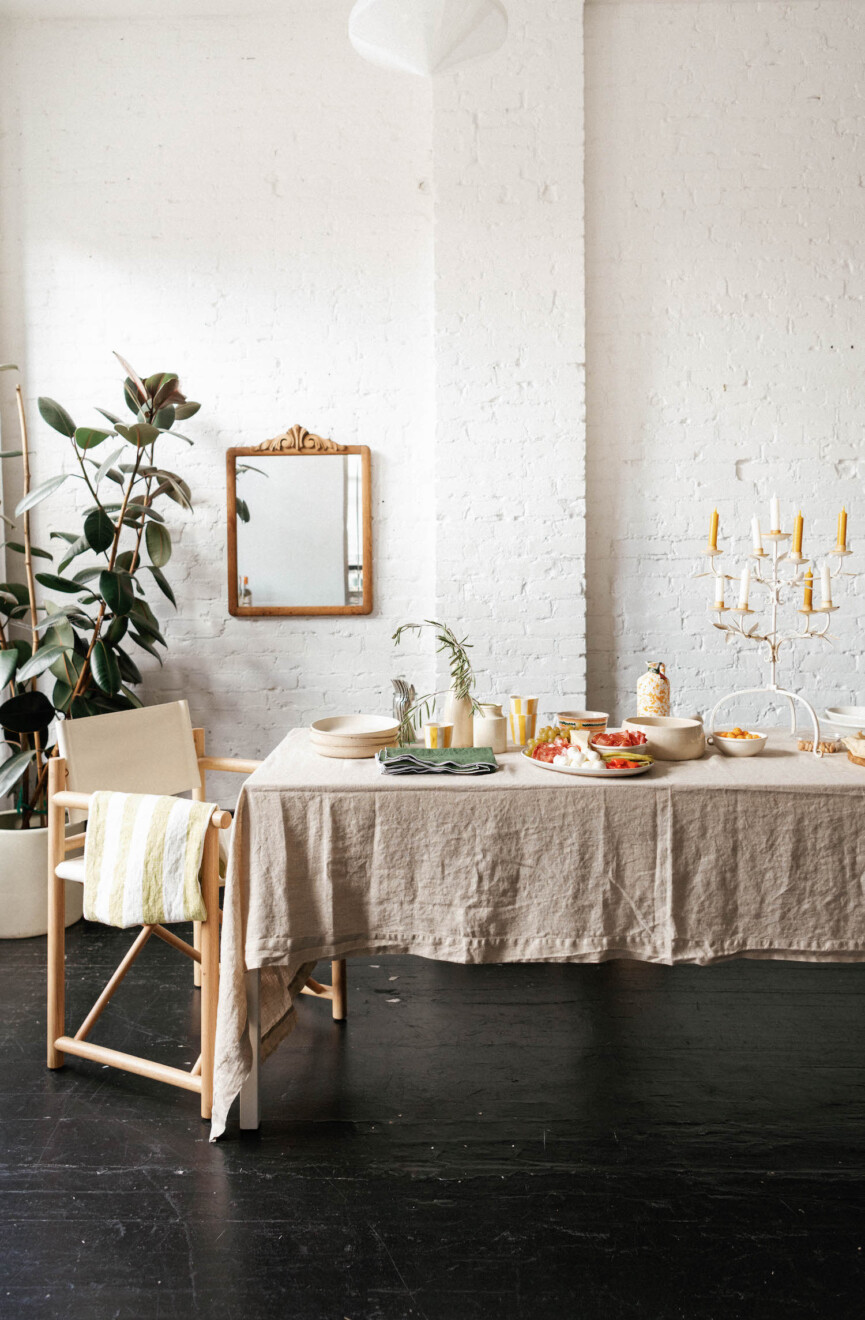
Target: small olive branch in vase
{"type": "Point", "coordinates": [462, 674]}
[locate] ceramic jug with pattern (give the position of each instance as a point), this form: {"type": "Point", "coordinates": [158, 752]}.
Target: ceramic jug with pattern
{"type": "Point", "coordinates": [653, 690]}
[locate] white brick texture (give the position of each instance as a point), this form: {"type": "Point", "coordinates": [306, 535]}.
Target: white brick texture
{"type": "Point", "coordinates": [510, 455]}
{"type": "Point", "coordinates": [724, 300]}
{"type": "Point", "coordinates": [249, 204]}
{"type": "Point", "coordinates": [253, 207]}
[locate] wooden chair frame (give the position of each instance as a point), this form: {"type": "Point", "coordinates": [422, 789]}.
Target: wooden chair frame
{"type": "Point", "coordinates": [204, 951]}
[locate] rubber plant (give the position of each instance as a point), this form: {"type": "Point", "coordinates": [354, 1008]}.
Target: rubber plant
{"type": "Point", "coordinates": [78, 631]}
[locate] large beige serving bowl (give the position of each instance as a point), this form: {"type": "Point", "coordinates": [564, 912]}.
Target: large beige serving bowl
{"type": "Point", "coordinates": [669, 737]}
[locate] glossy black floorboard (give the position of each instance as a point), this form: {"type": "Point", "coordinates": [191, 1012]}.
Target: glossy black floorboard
{"type": "Point", "coordinates": [478, 1143]}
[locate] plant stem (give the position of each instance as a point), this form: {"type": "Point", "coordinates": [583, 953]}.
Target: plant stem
{"type": "Point", "coordinates": [97, 628]}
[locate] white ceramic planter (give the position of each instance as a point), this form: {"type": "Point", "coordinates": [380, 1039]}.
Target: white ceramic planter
{"type": "Point", "coordinates": [24, 882]}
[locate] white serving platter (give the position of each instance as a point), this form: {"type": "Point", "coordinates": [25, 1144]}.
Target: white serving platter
{"type": "Point", "coordinates": [846, 717]}
{"type": "Point", "coordinates": [591, 771]}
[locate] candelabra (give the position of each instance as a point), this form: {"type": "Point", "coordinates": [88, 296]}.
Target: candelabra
{"type": "Point", "coordinates": [768, 574]}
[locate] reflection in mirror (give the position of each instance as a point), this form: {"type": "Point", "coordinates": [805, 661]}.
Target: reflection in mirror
{"type": "Point", "coordinates": [301, 532]}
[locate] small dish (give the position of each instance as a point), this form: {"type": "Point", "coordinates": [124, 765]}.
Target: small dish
{"type": "Point", "coordinates": [739, 746]}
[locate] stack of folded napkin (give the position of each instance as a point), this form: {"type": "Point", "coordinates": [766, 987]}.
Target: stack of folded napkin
{"type": "Point", "coordinates": [437, 761]}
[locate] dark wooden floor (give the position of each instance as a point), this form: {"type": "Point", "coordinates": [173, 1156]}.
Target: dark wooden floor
{"type": "Point", "coordinates": [495, 1142]}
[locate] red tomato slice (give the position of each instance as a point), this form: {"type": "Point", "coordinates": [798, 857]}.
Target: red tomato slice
{"type": "Point", "coordinates": [621, 763]}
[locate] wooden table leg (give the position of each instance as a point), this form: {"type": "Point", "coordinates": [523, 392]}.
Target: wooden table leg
{"type": "Point", "coordinates": [340, 998]}
{"type": "Point", "coordinates": [250, 1099]}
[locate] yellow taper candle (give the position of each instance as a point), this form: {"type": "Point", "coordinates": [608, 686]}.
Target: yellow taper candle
{"type": "Point", "coordinates": [809, 590]}
{"type": "Point", "coordinates": [797, 533]}
{"type": "Point", "coordinates": [713, 531]}
{"type": "Point", "coordinates": [842, 530]}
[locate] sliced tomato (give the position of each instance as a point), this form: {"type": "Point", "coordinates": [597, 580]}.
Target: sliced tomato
{"type": "Point", "coordinates": [621, 763]}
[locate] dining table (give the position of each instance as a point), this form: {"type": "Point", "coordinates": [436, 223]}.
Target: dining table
{"type": "Point", "coordinates": [693, 862]}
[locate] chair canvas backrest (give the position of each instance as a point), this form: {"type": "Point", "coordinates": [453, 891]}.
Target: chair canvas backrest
{"type": "Point", "coordinates": [150, 750]}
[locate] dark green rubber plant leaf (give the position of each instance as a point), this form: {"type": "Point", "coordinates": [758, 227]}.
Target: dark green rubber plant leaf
{"type": "Point", "coordinates": [12, 770]}
{"type": "Point", "coordinates": [39, 493]}
{"type": "Point", "coordinates": [56, 416]}
{"type": "Point", "coordinates": [27, 713]}
{"type": "Point", "coordinates": [98, 530]}
{"type": "Point", "coordinates": [158, 541]}
{"type": "Point", "coordinates": [87, 437]}
{"type": "Point", "coordinates": [106, 671]}
{"type": "Point", "coordinates": [8, 665]}
{"type": "Point", "coordinates": [38, 663]}
{"type": "Point", "coordinates": [55, 583]}
{"type": "Point", "coordinates": [117, 591]}
{"type": "Point", "coordinates": [162, 584]}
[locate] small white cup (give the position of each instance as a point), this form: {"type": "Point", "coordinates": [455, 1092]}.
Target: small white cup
{"type": "Point", "coordinates": [437, 735]}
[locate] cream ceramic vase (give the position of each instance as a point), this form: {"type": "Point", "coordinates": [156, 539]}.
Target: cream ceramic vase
{"type": "Point", "coordinates": [491, 727]}
{"type": "Point", "coordinates": [653, 690]}
{"type": "Point", "coordinates": [458, 712]}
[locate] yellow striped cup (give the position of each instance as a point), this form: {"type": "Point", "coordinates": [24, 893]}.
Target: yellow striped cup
{"type": "Point", "coordinates": [437, 735]}
{"type": "Point", "coordinates": [524, 718]}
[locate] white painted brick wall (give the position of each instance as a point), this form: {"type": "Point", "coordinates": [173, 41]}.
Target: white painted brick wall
{"type": "Point", "coordinates": [250, 204]}
{"type": "Point", "coordinates": [254, 208]}
{"type": "Point", "coordinates": [725, 254]}
{"type": "Point", "coordinates": [510, 467]}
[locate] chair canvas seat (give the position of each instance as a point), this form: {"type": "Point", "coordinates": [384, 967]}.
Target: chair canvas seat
{"type": "Point", "coordinates": [71, 870]}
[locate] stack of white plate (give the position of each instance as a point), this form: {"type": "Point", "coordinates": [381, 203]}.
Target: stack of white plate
{"type": "Point", "coordinates": [353, 737]}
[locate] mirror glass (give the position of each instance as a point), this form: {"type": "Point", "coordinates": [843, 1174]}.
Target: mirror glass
{"type": "Point", "coordinates": [300, 531]}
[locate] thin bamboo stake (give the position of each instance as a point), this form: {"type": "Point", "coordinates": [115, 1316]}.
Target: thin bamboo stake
{"type": "Point", "coordinates": [31, 589]}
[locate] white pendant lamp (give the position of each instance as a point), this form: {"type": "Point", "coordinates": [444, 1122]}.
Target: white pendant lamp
{"type": "Point", "coordinates": [426, 36]}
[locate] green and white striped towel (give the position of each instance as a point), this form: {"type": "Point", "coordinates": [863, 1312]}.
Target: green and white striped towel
{"type": "Point", "coordinates": [142, 858]}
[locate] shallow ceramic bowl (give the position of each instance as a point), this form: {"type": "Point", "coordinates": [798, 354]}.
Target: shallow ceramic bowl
{"type": "Point", "coordinates": [356, 726]}
{"type": "Point", "coordinates": [739, 746]}
{"type": "Point", "coordinates": [596, 720]}
{"type": "Point", "coordinates": [669, 737]}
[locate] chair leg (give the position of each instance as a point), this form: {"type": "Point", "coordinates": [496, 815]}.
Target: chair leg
{"type": "Point", "coordinates": [196, 944]}
{"type": "Point", "coordinates": [198, 795]}
{"type": "Point", "coordinates": [340, 992]}
{"type": "Point", "coordinates": [209, 966]}
{"type": "Point", "coordinates": [56, 1025]}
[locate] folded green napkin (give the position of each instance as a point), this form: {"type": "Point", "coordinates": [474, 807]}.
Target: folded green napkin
{"type": "Point", "coordinates": [437, 761]}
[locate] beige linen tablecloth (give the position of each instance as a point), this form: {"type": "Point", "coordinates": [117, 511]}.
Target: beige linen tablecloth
{"type": "Point", "coordinates": [695, 861]}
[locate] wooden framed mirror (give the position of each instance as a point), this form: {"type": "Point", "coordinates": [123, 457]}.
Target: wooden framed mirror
{"type": "Point", "coordinates": [299, 527]}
